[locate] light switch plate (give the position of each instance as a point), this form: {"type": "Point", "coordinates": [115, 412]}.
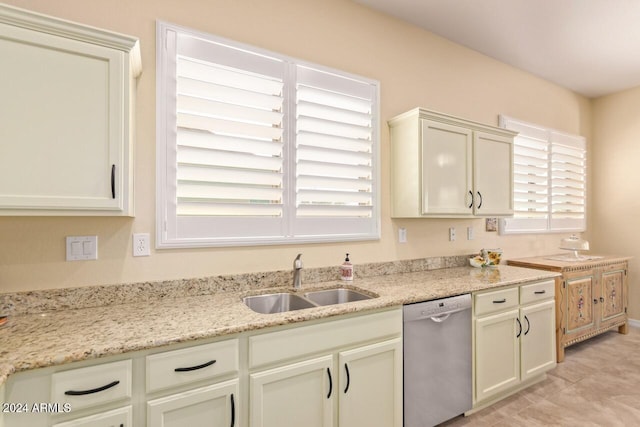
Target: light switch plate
{"type": "Point", "coordinates": [81, 248]}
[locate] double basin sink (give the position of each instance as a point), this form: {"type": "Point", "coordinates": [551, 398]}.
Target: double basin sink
{"type": "Point", "coordinates": [281, 302]}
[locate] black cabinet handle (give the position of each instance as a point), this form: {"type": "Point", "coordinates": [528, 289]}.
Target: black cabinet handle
{"type": "Point", "coordinates": [113, 181]}
{"type": "Point", "coordinates": [480, 196]}
{"type": "Point", "coordinates": [330, 383]}
{"type": "Point", "coordinates": [519, 326]}
{"type": "Point", "coordinates": [539, 292]}
{"type": "Point", "coordinates": [528, 325]}
{"type": "Point", "coordinates": [195, 368]}
{"type": "Point", "coordinates": [595, 300]}
{"type": "Point", "coordinates": [471, 194]}
{"type": "Point", "coordinates": [601, 299]}
{"type": "Point", "coordinates": [92, 391]}
{"type": "Point", "coordinates": [346, 368]}
{"type": "Point", "coordinates": [233, 411]}
{"type": "Point", "coordinates": [500, 301]}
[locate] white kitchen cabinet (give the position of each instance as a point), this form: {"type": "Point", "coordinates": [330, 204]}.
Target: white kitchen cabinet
{"type": "Point", "coordinates": [213, 406]}
{"type": "Point", "coordinates": [345, 373]}
{"type": "Point", "coordinates": [497, 353]}
{"type": "Point", "coordinates": [66, 120]}
{"type": "Point", "coordinates": [538, 339]}
{"type": "Point", "coordinates": [514, 330]}
{"type": "Point", "coordinates": [295, 394]}
{"type": "Point", "coordinates": [443, 166]}
{"type": "Point", "coordinates": [370, 381]}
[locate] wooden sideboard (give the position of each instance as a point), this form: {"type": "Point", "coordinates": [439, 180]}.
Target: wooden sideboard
{"type": "Point", "coordinates": [591, 296]}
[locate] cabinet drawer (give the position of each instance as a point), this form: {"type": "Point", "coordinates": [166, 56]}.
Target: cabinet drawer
{"type": "Point", "coordinates": [537, 292]}
{"type": "Point", "coordinates": [192, 364]}
{"type": "Point", "coordinates": [117, 417]}
{"type": "Point", "coordinates": [491, 302]}
{"type": "Point", "coordinates": [93, 385]}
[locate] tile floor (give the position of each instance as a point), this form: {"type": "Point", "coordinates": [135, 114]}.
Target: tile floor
{"type": "Point", "coordinates": [598, 384]}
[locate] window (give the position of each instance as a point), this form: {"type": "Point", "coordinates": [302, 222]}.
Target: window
{"type": "Point", "coordinates": [258, 148]}
{"type": "Point", "coordinates": [550, 173]}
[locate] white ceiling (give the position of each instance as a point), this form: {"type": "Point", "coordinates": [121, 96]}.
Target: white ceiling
{"type": "Point", "coordinates": [589, 46]}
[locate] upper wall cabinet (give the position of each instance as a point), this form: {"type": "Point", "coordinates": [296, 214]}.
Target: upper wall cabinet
{"type": "Point", "coordinates": [443, 166]}
{"type": "Point", "coordinates": [66, 124]}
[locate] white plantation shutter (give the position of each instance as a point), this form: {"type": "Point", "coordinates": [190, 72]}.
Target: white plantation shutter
{"type": "Point", "coordinates": [257, 148]}
{"type": "Point", "coordinates": [334, 153]}
{"type": "Point", "coordinates": [549, 180]}
{"type": "Point", "coordinates": [568, 182]}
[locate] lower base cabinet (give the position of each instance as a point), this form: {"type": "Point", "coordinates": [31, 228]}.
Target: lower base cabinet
{"type": "Point", "coordinates": [213, 406]}
{"type": "Point", "coordinates": [366, 384]}
{"type": "Point", "coordinates": [514, 339]}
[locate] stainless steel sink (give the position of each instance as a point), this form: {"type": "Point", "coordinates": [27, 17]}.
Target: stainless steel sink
{"type": "Point", "coordinates": [336, 296]}
{"type": "Point", "coordinates": [277, 303]}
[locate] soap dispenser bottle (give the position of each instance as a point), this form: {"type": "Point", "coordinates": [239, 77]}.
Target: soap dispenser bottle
{"type": "Point", "coordinates": [346, 270]}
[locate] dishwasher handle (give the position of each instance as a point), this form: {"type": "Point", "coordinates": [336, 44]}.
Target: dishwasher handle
{"type": "Point", "coordinates": [440, 319]}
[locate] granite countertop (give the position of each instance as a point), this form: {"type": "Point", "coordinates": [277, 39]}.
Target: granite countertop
{"type": "Point", "coordinates": [32, 341]}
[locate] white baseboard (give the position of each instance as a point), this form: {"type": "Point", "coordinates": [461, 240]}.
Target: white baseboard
{"type": "Point", "coordinates": [634, 323]}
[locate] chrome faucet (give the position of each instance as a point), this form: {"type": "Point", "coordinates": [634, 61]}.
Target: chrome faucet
{"type": "Point", "coordinates": [297, 271]}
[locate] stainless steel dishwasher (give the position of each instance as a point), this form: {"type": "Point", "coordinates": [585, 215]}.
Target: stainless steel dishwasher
{"type": "Point", "coordinates": [437, 360]}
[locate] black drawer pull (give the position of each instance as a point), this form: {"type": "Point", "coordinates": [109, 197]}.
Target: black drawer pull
{"type": "Point", "coordinates": [330, 383]}
{"type": "Point", "coordinates": [346, 368]}
{"type": "Point", "coordinates": [540, 292]}
{"type": "Point", "coordinates": [500, 301]}
{"type": "Point", "coordinates": [195, 368]}
{"type": "Point", "coordinates": [93, 390]}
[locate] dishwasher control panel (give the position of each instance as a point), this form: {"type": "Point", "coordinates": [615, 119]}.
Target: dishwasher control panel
{"type": "Point", "coordinates": [438, 307]}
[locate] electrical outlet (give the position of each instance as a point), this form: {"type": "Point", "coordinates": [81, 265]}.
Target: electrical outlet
{"type": "Point", "coordinates": [141, 244]}
{"type": "Point", "coordinates": [452, 234]}
{"type": "Point", "coordinates": [469, 233]}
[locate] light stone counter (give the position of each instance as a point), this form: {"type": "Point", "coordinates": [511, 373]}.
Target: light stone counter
{"type": "Point", "coordinates": [30, 341]}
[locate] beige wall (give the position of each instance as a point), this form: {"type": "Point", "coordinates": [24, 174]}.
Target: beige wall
{"type": "Point", "coordinates": [616, 182]}
{"type": "Point", "coordinates": [414, 67]}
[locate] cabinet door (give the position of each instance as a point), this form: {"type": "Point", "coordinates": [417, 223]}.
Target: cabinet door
{"type": "Point", "coordinates": [497, 353]}
{"type": "Point", "coordinates": [492, 174]}
{"type": "Point", "coordinates": [446, 169]}
{"type": "Point", "coordinates": [116, 418]}
{"type": "Point", "coordinates": [612, 294]}
{"type": "Point", "coordinates": [370, 386]}
{"type": "Point", "coordinates": [215, 405]}
{"type": "Point", "coordinates": [579, 304]}
{"type": "Point", "coordinates": [294, 395]}
{"type": "Point", "coordinates": [63, 123]}
{"type": "Point", "coordinates": [538, 343]}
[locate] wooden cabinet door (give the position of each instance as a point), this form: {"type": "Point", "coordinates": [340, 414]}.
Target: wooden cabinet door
{"type": "Point", "coordinates": [579, 302]}
{"type": "Point", "coordinates": [492, 174]}
{"type": "Point", "coordinates": [446, 169]}
{"type": "Point", "coordinates": [537, 341]}
{"type": "Point", "coordinates": [612, 294]}
{"type": "Point", "coordinates": [214, 406]}
{"type": "Point", "coordinates": [497, 357]}
{"type": "Point", "coordinates": [371, 385]}
{"type": "Point", "coordinates": [294, 395]}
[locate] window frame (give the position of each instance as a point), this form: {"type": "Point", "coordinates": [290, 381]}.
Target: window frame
{"type": "Point", "coordinates": [282, 231]}
{"type": "Point", "coordinates": [516, 225]}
